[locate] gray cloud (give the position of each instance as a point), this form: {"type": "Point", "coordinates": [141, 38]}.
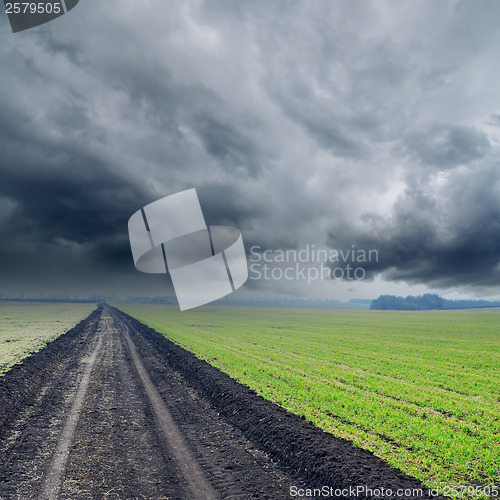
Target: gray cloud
{"type": "Point", "coordinates": [443, 235]}
{"type": "Point", "coordinates": [317, 122]}
{"type": "Point", "coordinates": [446, 146]}
{"type": "Point", "coordinates": [494, 120]}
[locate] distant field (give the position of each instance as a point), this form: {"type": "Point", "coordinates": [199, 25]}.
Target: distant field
{"type": "Point", "coordinates": [26, 327]}
{"type": "Point", "coordinates": [419, 389]}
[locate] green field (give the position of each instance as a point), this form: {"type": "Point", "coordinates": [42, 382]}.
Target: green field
{"type": "Point", "coordinates": [26, 327]}
{"type": "Point", "coordinates": [419, 389]}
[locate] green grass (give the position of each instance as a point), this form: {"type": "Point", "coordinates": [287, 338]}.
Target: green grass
{"type": "Point", "coordinates": [419, 389]}
{"type": "Point", "coordinates": [26, 327]}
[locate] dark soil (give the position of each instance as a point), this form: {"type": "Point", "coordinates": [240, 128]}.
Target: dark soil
{"type": "Point", "coordinates": [243, 446]}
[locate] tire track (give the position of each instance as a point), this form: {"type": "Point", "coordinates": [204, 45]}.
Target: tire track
{"type": "Point", "coordinates": [53, 479]}
{"type": "Point", "coordinates": [199, 486]}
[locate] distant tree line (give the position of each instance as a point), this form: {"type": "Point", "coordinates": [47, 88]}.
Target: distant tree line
{"type": "Point", "coordinates": [426, 302]}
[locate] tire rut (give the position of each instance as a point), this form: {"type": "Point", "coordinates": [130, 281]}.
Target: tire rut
{"type": "Point", "coordinates": [198, 484]}
{"type": "Point", "coordinates": [53, 477]}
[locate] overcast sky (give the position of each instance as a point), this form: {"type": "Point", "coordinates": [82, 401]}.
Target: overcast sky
{"type": "Point", "coordinates": [333, 123]}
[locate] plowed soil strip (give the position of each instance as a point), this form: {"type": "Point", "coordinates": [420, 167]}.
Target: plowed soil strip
{"type": "Point", "coordinates": [197, 483]}
{"type": "Point", "coordinates": [55, 473]}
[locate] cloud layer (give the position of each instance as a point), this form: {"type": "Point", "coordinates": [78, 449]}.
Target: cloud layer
{"type": "Point", "coordinates": [333, 123]}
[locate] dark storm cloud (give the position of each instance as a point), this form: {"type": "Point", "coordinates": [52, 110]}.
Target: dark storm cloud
{"type": "Point", "coordinates": [494, 120]}
{"type": "Point", "coordinates": [297, 122]}
{"type": "Point", "coordinates": [332, 137]}
{"type": "Point", "coordinates": [446, 146]}
{"type": "Point", "coordinates": [68, 48]}
{"type": "Point", "coordinates": [442, 236]}
{"type": "Point", "coordinates": [66, 209]}
{"type": "Point", "coordinates": [234, 151]}
{"type": "Point", "coordinates": [215, 198]}
{"type": "Point", "coordinates": [62, 197]}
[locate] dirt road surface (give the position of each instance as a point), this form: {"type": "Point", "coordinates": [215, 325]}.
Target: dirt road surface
{"type": "Point", "coordinates": [113, 410]}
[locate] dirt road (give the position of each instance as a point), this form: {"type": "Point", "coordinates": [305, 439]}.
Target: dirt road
{"type": "Point", "coordinates": [114, 410]}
